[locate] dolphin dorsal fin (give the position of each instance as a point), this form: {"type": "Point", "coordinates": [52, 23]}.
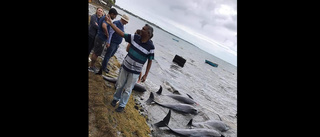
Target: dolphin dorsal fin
{"type": "Point", "coordinates": [190, 123]}
{"type": "Point", "coordinates": [159, 91]}
{"type": "Point", "coordinates": [189, 96]}
{"type": "Point", "coordinates": [219, 117]}
{"type": "Point", "coordinates": [176, 92]}
{"type": "Point", "coordinates": [150, 99]}
{"type": "Point", "coordinates": [165, 121]}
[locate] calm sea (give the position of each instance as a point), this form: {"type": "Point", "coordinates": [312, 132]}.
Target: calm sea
{"type": "Point", "coordinates": [214, 88]}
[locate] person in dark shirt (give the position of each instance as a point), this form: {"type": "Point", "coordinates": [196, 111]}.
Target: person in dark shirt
{"type": "Point", "coordinates": [101, 38]}
{"type": "Point", "coordinates": [138, 32]}
{"type": "Point", "coordinates": [93, 27]}
{"type": "Point", "coordinates": [114, 40]}
{"type": "Point", "coordinates": [141, 50]}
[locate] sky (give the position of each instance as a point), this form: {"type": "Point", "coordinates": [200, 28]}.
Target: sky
{"type": "Point", "coordinates": [210, 25]}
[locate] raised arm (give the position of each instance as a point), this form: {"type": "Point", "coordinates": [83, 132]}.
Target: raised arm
{"type": "Point", "coordinates": [114, 27]}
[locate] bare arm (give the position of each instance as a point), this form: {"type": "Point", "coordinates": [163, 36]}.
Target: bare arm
{"type": "Point", "coordinates": [127, 49]}
{"type": "Point", "coordinates": [114, 27]}
{"type": "Point", "coordinates": [110, 36]}
{"type": "Point", "coordinates": [104, 28]}
{"type": "Point", "coordinates": [144, 77]}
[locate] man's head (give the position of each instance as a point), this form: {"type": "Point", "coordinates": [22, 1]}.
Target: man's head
{"type": "Point", "coordinates": [124, 19]}
{"type": "Point", "coordinates": [147, 31]}
{"type": "Point", "coordinates": [113, 13]}
{"type": "Point", "coordinates": [99, 11]}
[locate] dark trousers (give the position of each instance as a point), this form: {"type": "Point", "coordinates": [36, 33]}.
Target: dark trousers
{"type": "Point", "coordinates": [110, 52]}
{"type": "Point", "coordinates": [91, 42]}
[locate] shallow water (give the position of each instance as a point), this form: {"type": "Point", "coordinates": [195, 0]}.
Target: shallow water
{"type": "Point", "coordinates": [214, 89]}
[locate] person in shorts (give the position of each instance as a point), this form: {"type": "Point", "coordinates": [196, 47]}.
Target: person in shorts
{"type": "Point", "coordinates": [101, 38]}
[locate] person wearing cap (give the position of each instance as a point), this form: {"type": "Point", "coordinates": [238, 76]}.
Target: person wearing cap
{"type": "Point", "coordinates": [141, 50]}
{"type": "Point", "coordinates": [101, 38]}
{"type": "Point", "coordinates": [114, 40]}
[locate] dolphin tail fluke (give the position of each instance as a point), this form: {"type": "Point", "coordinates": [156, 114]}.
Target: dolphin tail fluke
{"type": "Point", "coordinates": [150, 99]}
{"type": "Point", "coordinates": [190, 123]}
{"type": "Point", "coordinates": [165, 121]}
{"type": "Point", "coordinates": [159, 91]}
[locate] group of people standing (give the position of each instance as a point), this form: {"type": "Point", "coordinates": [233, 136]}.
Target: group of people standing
{"type": "Point", "coordinates": [104, 37]}
{"type": "Point", "coordinates": [105, 33]}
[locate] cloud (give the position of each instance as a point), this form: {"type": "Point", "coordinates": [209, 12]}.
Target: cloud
{"type": "Point", "coordinates": [215, 19]}
{"type": "Point", "coordinates": [203, 23]}
{"type": "Point", "coordinates": [231, 25]}
{"type": "Point", "coordinates": [177, 7]}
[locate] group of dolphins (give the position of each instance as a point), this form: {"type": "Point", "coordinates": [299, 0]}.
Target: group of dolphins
{"type": "Point", "coordinates": [210, 128]}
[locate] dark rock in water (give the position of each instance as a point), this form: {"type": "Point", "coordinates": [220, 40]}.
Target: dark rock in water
{"type": "Point", "coordinates": [141, 110]}
{"type": "Point", "coordinates": [136, 107]}
{"type": "Point", "coordinates": [179, 60]}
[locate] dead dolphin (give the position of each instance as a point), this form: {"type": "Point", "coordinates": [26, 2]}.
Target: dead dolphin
{"type": "Point", "coordinates": [178, 97]}
{"type": "Point", "coordinates": [184, 108]}
{"type": "Point", "coordinates": [137, 87]}
{"type": "Point", "coordinates": [211, 124]}
{"type": "Point", "coordinates": [189, 132]}
{"type": "Point", "coordinates": [172, 88]}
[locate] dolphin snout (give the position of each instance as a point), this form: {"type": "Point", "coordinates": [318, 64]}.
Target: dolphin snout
{"type": "Point", "coordinates": [196, 112]}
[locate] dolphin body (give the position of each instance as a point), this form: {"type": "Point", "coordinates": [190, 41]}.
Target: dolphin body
{"type": "Point", "coordinates": [188, 132]}
{"type": "Point", "coordinates": [183, 108]}
{"type": "Point", "coordinates": [137, 87]}
{"type": "Point", "coordinates": [212, 124]}
{"type": "Point", "coordinates": [172, 88]}
{"type": "Point", "coordinates": [179, 97]}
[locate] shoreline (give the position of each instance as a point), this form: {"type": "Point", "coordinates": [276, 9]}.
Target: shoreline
{"type": "Point", "coordinates": [104, 121]}
{"type": "Point", "coordinates": [153, 24]}
{"type": "Point", "coordinates": [137, 103]}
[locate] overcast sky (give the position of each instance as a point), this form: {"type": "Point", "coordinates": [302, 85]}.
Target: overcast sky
{"type": "Point", "coordinates": [209, 24]}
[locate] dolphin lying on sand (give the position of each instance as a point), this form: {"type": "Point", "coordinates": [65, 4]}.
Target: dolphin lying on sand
{"type": "Point", "coordinates": [179, 97]}
{"type": "Point", "coordinates": [212, 124]}
{"type": "Point", "coordinates": [171, 88]}
{"type": "Point", "coordinates": [189, 132]}
{"type": "Point", "coordinates": [137, 87]}
{"type": "Point", "coordinates": [184, 108]}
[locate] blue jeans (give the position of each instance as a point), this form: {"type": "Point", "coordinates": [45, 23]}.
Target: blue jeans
{"type": "Point", "coordinates": [125, 84]}
{"type": "Point", "coordinates": [109, 53]}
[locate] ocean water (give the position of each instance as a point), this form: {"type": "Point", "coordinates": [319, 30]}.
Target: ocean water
{"type": "Point", "coordinates": [213, 88]}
